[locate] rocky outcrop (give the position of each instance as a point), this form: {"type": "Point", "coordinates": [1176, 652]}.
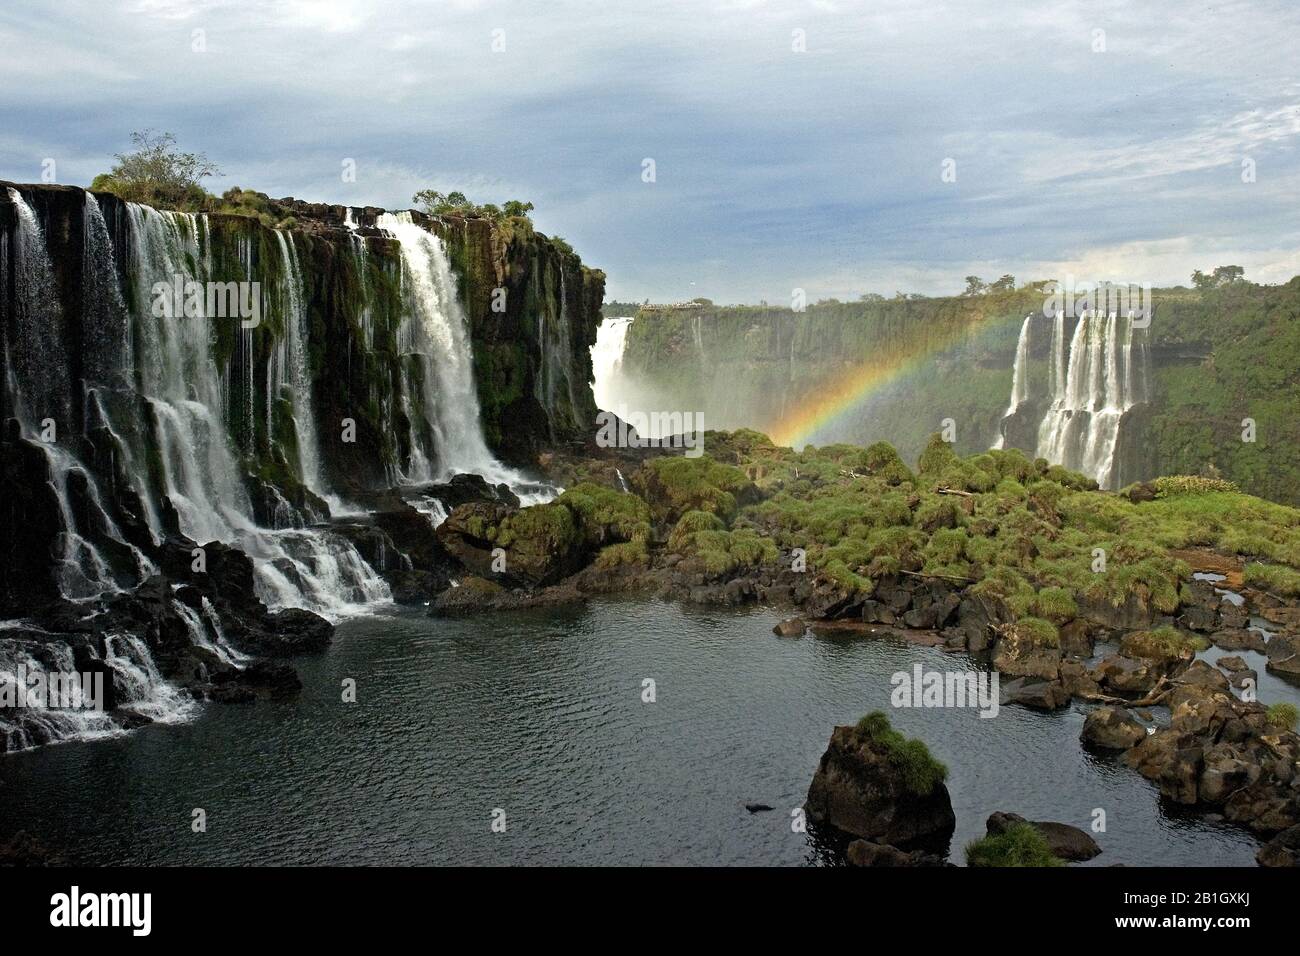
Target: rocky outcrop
{"type": "Point", "coordinates": [868, 853]}
{"type": "Point", "coordinates": [1065, 841]}
{"type": "Point", "coordinates": [1112, 728]}
{"type": "Point", "coordinates": [1220, 752]}
{"type": "Point", "coordinates": [1282, 850]}
{"type": "Point", "coordinates": [862, 788]}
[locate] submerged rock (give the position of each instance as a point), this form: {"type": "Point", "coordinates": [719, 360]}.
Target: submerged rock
{"type": "Point", "coordinates": [792, 627]}
{"type": "Point", "coordinates": [867, 853]}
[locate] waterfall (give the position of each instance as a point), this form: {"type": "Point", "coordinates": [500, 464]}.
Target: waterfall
{"type": "Point", "coordinates": [1019, 375]}
{"type": "Point", "coordinates": [29, 656]}
{"type": "Point", "coordinates": [198, 624]}
{"type": "Point", "coordinates": [38, 363]}
{"type": "Point", "coordinates": [201, 474]}
{"type": "Point", "coordinates": [295, 342]}
{"type": "Point", "coordinates": [434, 336]}
{"type": "Point", "coordinates": [1093, 384]}
{"type": "Point", "coordinates": [555, 340]}
{"type": "Point", "coordinates": [607, 360]}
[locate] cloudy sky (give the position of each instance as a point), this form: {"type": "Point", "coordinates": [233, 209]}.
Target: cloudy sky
{"type": "Point", "coordinates": [795, 144]}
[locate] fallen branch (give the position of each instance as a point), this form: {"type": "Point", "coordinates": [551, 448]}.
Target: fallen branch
{"type": "Point", "coordinates": [954, 491]}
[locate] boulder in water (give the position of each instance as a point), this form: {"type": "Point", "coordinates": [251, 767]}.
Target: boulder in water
{"type": "Point", "coordinates": [874, 783]}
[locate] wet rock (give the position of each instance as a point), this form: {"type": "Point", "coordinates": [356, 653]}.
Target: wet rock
{"type": "Point", "coordinates": [1077, 680]}
{"type": "Point", "coordinates": [1203, 619]}
{"type": "Point", "coordinates": [1036, 694]}
{"type": "Point", "coordinates": [1020, 652]}
{"type": "Point", "coordinates": [1133, 614]}
{"type": "Point", "coordinates": [1233, 617]}
{"type": "Point", "coordinates": [1282, 850]}
{"type": "Point", "coordinates": [477, 595]}
{"type": "Point", "coordinates": [978, 617]}
{"type": "Point", "coordinates": [1232, 663]}
{"type": "Point", "coordinates": [1224, 773]}
{"type": "Point", "coordinates": [1112, 728]}
{"type": "Point", "coordinates": [291, 631]}
{"type": "Point", "coordinates": [792, 627]}
{"type": "Point", "coordinates": [1065, 841]}
{"type": "Point", "coordinates": [1284, 654]}
{"type": "Point", "coordinates": [1173, 761]}
{"type": "Point", "coordinates": [757, 807]}
{"type": "Point", "coordinates": [868, 853]}
{"type": "Point", "coordinates": [1238, 639]}
{"type": "Point", "coordinates": [861, 789]}
{"type": "Point", "coordinates": [1077, 638]}
{"type": "Point", "coordinates": [1123, 676]}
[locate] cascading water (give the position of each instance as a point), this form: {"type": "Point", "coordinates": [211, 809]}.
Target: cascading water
{"type": "Point", "coordinates": [202, 477]}
{"type": "Point", "coordinates": [607, 360]}
{"type": "Point", "coordinates": [1093, 383]}
{"type": "Point", "coordinates": [41, 397]}
{"type": "Point", "coordinates": [295, 343]}
{"type": "Point", "coordinates": [439, 392]}
{"type": "Point", "coordinates": [1019, 376]}
{"type": "Point", "coordinates": [26, 664]}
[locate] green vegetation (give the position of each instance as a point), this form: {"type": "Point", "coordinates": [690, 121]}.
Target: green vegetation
{"type": "Point", "coordinates": [434, 203]}
{"type": "Point", "coordinates": [1171, 485]}
{"type": "Point", "coordinates": [1162, 644]}
{"type": "Point", "coordinates": [1221, 354]}
{"type": "Point", "coordinates": [1274, 579]}
{"type": "Point", "coordinates": [1283, 716]}
{"type": "Point", "coordinates": [1019, 845]}
{"type": "Point", "coordinates": [674, 485]}
{"type": "Point", "coordinates": [921, 772]}
{"type": "Point", "coordinates": [157, 172]}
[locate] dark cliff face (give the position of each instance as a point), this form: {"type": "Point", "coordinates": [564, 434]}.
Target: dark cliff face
{"type": "Point", "coordinates": [72, 311]}
{"type": "Point", "coordinates": [533, 310]}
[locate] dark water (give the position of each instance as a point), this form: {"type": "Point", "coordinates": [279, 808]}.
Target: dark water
{"type": "Point", "coordinates": [541, 715]}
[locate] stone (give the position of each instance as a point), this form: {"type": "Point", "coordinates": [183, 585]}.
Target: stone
{"type": "Point", "coordinates": [1112, 728]}
{"type": "Point", "coordinates": [859, 790]}
{"type": "Point", "coordinates": [1065, 841]}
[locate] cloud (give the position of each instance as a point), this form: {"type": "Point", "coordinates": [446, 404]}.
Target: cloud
{"type": "Point", "coordinates": [777, 169]}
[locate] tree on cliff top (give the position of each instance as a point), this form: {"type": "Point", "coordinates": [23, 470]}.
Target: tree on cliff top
{"type": "Point", "coordinates": [158, 173]}
{"type": "Point", "coordinates": [1221, 276]}
{"type": "Point", "coordinates": [457, 203]}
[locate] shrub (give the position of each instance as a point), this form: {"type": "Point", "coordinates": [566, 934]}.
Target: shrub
{"type": "Point", "coordinates": [921, 772]}
{"type": "Point", "coordinates": [605, 514]}
{"type": "Point", "coordinates": [683, 533]}
{"type": "Point", "coordinates": [1171, 486]}
{"type": "Point", "coordinates": [937, 458]}
{"type": "Point", "coordinates": [1283, 715]}
{"type": "Point", "coordinates": [1056, 605]}
{"type": "Point", "coordinates": [1161, 644]}
{"type": "Point", "coordinates": [1019, 845]}
{"type": "Point", "coordinates": [623, 553]}
{"type": "Point", "coordinates": [1038, 632]}
{"type": "Point", "coordinates": [676, 484]}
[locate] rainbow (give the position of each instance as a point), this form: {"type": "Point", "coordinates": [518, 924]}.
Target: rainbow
{"type": "Point", "coordinates": [850, 389]}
